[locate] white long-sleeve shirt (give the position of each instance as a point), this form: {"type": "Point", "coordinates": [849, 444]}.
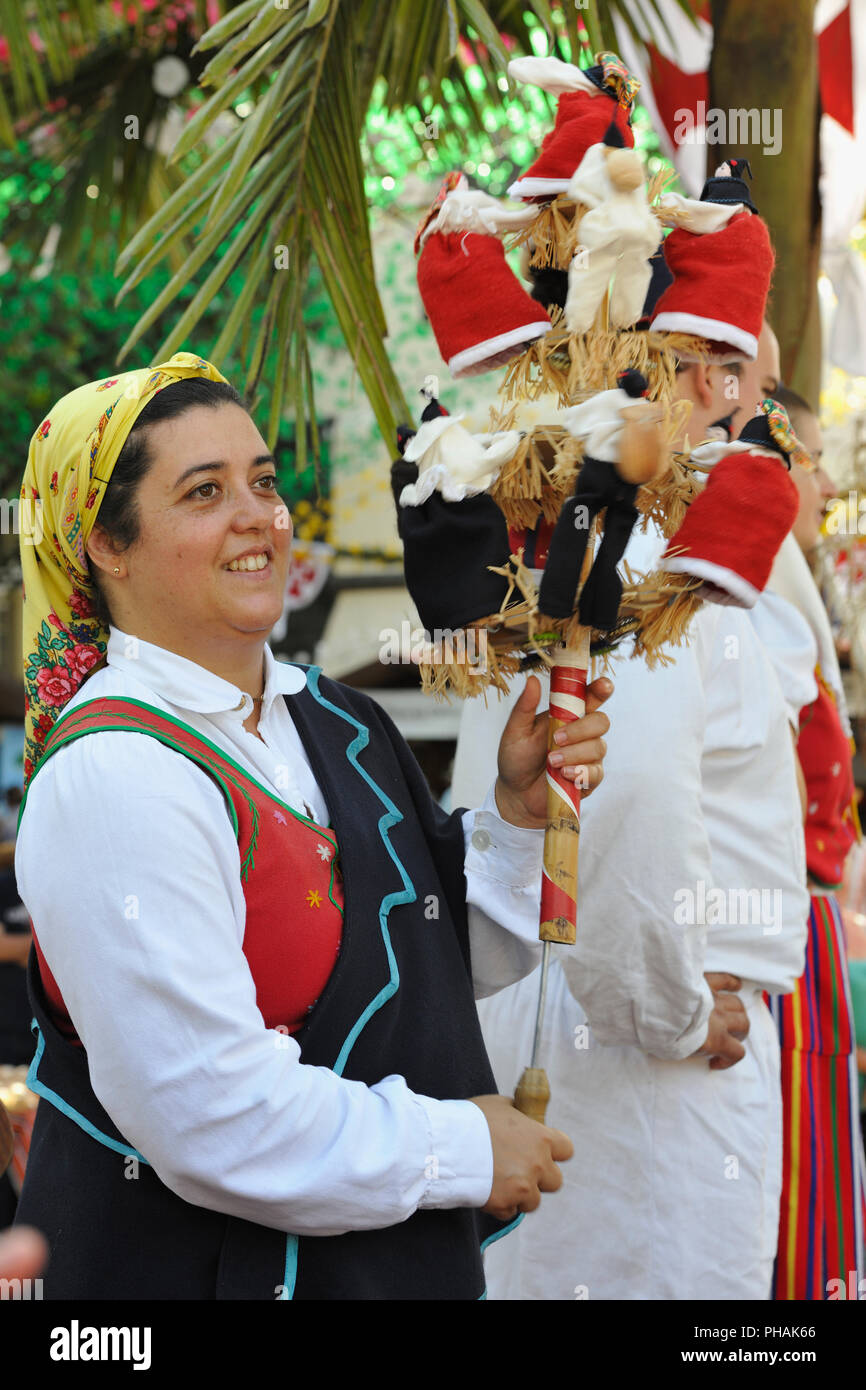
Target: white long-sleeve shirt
{"type": "Point", "coordinates": [712, 873]}
{"type": "Point", "coordinates": [698, 806]}
{"type": "Point", "coordinates": [129, 867]}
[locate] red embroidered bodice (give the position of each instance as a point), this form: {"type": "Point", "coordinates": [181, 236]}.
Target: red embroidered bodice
{"type": "Point", "coordinates": [289, 869]}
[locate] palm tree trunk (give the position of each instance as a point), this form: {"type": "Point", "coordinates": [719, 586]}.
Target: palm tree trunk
{"type": "Point", "coordinates": [764, 57]}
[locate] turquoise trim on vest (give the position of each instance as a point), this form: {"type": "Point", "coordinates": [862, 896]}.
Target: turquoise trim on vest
{"type": "Point", "coordinates": [506, 1231]}
{"type": "Point", "coordinates": [290, 1276]}
{"type": "Point", "coordinates": [40, 1089]}
{"type": "Point", "coordinates": [497, 1235]}
{"type": "Point", "coordinates": [409, 895]}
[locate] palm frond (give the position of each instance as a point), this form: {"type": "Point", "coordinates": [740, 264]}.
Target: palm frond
{"type": "Point", "coordinates": [96, 112]}
{"type": "Point", "coordinates": [272, 157]}
{"type": "Point", "coordinates": [228, 25]}
{"type": "Point", "coordinates": [41, 28]}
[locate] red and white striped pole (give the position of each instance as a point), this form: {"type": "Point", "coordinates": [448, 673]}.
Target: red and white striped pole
{"type": "Point", "coordinates": [561, 841]}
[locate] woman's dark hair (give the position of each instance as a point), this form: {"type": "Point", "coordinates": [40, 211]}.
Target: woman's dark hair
{"type": "Point", "coordinates": [794, 404]}
{"type": "Point", "coordinates": [118, 514]}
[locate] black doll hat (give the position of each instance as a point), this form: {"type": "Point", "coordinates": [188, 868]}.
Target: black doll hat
{"type": "Point", "coordinates": [728, 184]}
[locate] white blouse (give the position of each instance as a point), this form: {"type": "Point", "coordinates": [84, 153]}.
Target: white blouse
{"type": "Point", "coordinates": [129, 867]}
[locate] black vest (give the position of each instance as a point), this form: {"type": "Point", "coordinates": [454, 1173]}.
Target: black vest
{"type": "Point", "coordinates": [399, 1001]}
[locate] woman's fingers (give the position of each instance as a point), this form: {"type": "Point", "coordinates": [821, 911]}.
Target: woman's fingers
{"type": "Point", "coordinates": [583, 751]}
{"type": "Point", "coordinates": [580, 730]}
{"type": "Point", "coordinates": [596, 693]}
{"type": "Point", "coordinates": [579, 748]}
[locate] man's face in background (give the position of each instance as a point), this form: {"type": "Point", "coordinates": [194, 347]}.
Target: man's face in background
{"type": "Point", "coordinates": [757, 379]}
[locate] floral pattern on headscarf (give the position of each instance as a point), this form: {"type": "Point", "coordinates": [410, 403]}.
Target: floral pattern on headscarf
{"type": "Point", "coordinates": [69, 466]}
{"type": "Point", "coordinates": [784, 434]}
{"type": "Point", "coordinates": [622, 83]}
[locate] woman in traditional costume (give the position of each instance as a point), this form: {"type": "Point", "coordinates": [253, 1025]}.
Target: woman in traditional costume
{"type": "Point", "coordinates": [822, 1208]}
{"type": "Point", "coordinates": [256, 1039]}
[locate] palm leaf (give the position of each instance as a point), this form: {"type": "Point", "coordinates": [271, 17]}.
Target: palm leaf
{"type": "Point", "coordinates": [269, 22]}
{"type": "Point", "coordinates": [294, 169]}
{"type": "Point", "coordinates": [7, 133]}
{"type": "Point", "coordinates": [229, 92]}
{"type": "Point", "coordinates": [252, 139]}
{"type": "Point", "coordinates": [243, 304]}
{"type": "Point", "coordinates": [184, 193]}
{"type": "Point", "coordinates": [216, 233]}
{"type": "Point", "coordinates": [286, 330]}
{"type": "Point", "coordinates": [316, 12]}
{"type": "Point", "coordinates": [228, 25]}
{"type": "Point", "coordinates": [81, 26]}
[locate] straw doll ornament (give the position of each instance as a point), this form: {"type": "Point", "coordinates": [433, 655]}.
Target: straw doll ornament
{"type": "Point", "coordinates": [518, 532]}
{"type": "Point", "coordinates": [623, 449]}
{"type": "Point", "coordinates": [618, 236]}
{"type": "Point", "coordinates": [450, 459]}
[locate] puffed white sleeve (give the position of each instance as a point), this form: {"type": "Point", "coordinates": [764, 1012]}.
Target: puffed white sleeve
{"type": "Point", "coordinates": [503, 892]}
{"type": "Point", "coordinates": [129, 867]}
{"type": "Point", "coordinates": [502, 862]}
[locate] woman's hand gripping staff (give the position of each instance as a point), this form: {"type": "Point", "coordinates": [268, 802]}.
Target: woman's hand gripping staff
{"type": "Point", "coordinates": [535, 752]}
{"type": "Point", "coordinates": [537, 749]}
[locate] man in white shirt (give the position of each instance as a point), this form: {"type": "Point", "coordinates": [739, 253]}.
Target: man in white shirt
{"type": "Point", "coordinates": [691, 862]}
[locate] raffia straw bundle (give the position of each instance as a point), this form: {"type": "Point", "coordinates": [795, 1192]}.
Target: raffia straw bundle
{"type": "Point", "coordinates": [449, 678]}
{"type": "Point", "coordinates": [553, 237]}
{"type": "Point", "coordinates": [664, 605]}
{"type": "Point", "coordinates": [665, 502]}
{"type": "Point", "coordinates": [538, 477]}
{"type": "Point", "coordinates": [541, 368]}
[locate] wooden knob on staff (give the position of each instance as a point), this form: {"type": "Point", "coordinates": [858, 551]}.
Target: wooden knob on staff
{"type": "Point", "coordinates": [532, 1094]}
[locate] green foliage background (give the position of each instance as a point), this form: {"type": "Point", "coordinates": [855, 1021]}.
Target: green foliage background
{"type": "Point", "coordinates": [63, 328]}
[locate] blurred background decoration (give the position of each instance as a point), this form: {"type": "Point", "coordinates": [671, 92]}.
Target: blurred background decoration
{"type": "Point", "coordinates": [265, 219]}
{"type": "Point", "coordinates": [199, 137]}
{"type": "Point", "coordinates": [245, 179]}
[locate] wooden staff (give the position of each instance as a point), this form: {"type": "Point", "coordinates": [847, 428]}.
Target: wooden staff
{"type": "Point", "coordinates": [561, 842]}
{"type": "Point", "coordinates": [641, 456]}
{"type": "Point", "coordinates": [558, 915]}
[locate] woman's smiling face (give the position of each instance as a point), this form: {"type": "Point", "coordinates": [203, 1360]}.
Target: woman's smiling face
{"type": "Point", "coordinates": [815, 487]}
{"type": "Point", "coordinates": [208, 499]}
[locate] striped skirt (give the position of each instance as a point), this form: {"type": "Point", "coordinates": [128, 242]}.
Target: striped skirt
{"type": "Point", "coordinates": [821, 1220]}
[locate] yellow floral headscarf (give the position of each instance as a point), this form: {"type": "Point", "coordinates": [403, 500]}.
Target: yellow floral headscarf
{"type": "Point", "coordinates": [69, 465]}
